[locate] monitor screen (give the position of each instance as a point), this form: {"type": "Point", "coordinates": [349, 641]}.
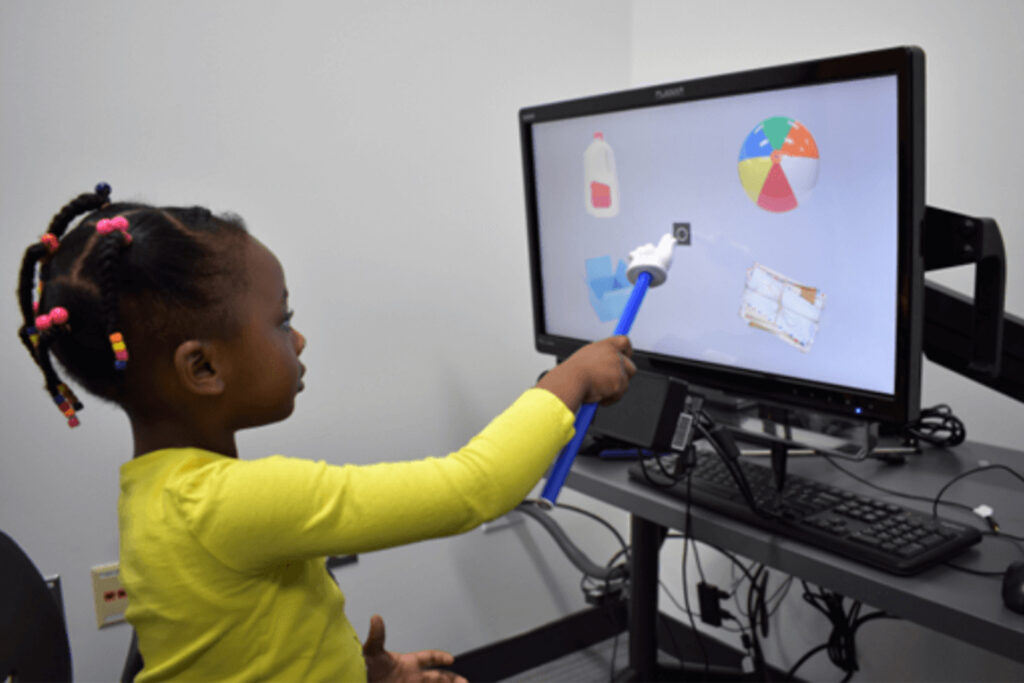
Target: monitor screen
{"type": "Point", "coordinates": [797, 193]}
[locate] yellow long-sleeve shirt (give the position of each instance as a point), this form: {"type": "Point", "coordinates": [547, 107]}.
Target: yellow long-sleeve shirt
{"type": "Point", "coordinates": [223, 559]}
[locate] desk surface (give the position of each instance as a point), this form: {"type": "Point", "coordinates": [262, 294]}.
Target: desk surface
{"type": "Point", "coordinates": [962, 605]}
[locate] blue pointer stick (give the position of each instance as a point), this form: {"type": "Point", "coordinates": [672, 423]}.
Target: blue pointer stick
{"type": "Point", "coordinates": [560, 470]}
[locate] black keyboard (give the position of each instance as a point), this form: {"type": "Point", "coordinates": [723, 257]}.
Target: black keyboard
{"type": "Point", "coordinates": [884, 535]}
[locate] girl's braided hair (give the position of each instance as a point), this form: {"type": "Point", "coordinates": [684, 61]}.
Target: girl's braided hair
{"type": "Point", "coordinates": [164, 279]}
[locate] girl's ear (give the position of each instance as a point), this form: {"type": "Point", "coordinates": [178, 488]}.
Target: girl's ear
{"type": "Point", "coordinates": [196, 367]}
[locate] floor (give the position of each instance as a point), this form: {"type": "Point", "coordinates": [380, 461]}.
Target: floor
{"type": "Point", "coordinates": [590, 665]}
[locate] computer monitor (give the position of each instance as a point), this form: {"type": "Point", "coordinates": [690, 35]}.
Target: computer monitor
{"type": "Point", "coordinates": [799, 193]}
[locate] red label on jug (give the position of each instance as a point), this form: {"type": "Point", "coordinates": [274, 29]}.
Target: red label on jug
{"type": "Point", "coordinates": [600, 195]}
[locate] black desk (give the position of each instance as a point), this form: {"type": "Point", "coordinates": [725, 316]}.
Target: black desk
{"type": "Point", "coordinates": [964, 606]}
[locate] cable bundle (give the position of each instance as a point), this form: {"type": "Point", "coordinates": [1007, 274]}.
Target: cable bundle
{"type": "Point", "coordinates": [841, 644]}
{"type": "Point", "coordinates": [938, 426]}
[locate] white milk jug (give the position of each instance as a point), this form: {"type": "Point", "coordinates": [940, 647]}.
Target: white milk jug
{"type": "Point", "coordinates": [601, 185]}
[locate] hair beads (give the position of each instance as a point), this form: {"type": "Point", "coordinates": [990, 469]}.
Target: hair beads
{"type": "Point", "coordinates": [107, 226]}
{"type": "Point", "coordinates": [64, 406]}
{"type": "Point", "coordinates": [118, 223]}
{"type": "Point", "coordinates": [38, 260]}
{"type": "Point", "coordinates": [58, 316]}
{"type": "Point", "coordinates": [120, 351]}
{"type": "Point", "coordinates": [66, 392]}
{"type": "Point", "coordinates": [50, 241]}
{"type": "Point", "coordinates": [175, 259]}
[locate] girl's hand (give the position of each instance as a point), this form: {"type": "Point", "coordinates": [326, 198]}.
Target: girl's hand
{"type": "Point", "coordinates": [597, 373]}
{"type": "Point", "coordinates": [410, 667]}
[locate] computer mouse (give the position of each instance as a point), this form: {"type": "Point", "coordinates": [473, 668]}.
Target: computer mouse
{"type": "Point", "coordinates": [1013, 587]}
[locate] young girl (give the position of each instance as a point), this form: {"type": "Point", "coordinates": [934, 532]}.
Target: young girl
{"type": "Point", "coordinates": [181, 318]}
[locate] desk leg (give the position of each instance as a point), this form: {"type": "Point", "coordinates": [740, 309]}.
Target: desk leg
{"type": "Point", "coordinates": [647, 538]}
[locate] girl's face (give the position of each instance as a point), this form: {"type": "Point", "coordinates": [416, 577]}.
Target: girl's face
{"type": "Point", "coordinates": [264, 374]}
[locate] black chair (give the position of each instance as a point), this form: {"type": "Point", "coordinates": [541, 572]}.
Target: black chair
{"type": "Point", "coordinates": [33, 636]}
{"type": "Point", "coordinates": [133, 661]}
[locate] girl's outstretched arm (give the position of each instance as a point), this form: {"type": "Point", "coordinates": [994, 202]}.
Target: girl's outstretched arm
{"type": "Point", "coordinates": [254, 514]}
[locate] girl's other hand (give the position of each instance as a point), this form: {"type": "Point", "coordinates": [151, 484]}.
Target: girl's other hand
{"type": "Point", "coordinates": [409, 667]}
{"type": "Point", "coordinates": [597, 373]}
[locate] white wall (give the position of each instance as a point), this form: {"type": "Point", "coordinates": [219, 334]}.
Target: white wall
{"type": "Point", "coordinates": [974, 98]}
{"type": "Point", "coordinates": [374, 146]}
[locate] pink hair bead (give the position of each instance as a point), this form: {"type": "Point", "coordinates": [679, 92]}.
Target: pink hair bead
{"type": "Point", "coordinates": [58, 315]}
{"type": "Point", "coordinates": [51, 242]}
{"type": "Point", "coordinates": [106, 226]}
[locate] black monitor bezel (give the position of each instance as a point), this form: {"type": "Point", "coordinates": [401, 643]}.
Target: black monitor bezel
{"type": "Point", "coordinates": [907, 64]}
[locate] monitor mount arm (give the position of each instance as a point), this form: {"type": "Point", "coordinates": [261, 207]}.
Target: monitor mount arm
{"type": "Point", "coordinates": [952, 239]}
{"type": "Point", "coordinates": [972, 337]}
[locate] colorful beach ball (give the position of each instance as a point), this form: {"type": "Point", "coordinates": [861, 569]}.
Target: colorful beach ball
{"type": "Point", "coordinates": [778, 164]}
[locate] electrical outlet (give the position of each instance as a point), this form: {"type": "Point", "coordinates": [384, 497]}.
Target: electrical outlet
{"type": "Point", "coordinates": [108, 595]}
